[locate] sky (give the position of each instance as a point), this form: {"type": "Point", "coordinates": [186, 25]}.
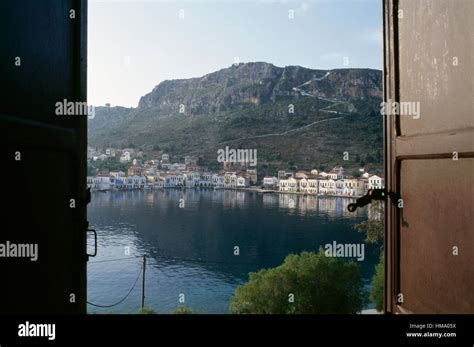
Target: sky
{"type": "Point", "coordinates": [135, 45]}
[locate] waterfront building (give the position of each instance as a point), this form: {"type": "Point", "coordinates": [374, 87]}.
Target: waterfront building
{"type": "Point", "coordinates": [98, 182]}
{"type": "Point", "coordinates": [117, 182]}
{"type": "Point", "coordinates": [135, 182]}
{"type": "Point", "coordinates": [312, 186]}
{"type": "Point", "coordinates": [375, 182]}
{"type": "Point", "coordinates": [242, 182]}
{"type": "Point", "coordinates": [206, 180]}
{"type": "Point", "coordinates": [192, 179]}
{"type": "Point", "coordinates": [173, 181]}
{"type": "Point", "coordinates": [270, 182]}
{"type": "Point", "coordinates": [289, 185]}
{"type": "Point", "coordinates": [218, 181]}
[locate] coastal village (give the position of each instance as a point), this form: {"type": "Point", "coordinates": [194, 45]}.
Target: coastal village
{"type": "Point", "coordinates": [164, 174]}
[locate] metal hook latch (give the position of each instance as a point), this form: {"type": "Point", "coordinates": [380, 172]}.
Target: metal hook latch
{"type": "Point", "coordinates": [95, 243]}
{"type": "Point", "coordinates": [372, 194]}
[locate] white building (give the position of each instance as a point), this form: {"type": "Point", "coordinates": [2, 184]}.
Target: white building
{"type": "Point", "coordinates": [230, 180]}
{"type": "Point", "coordinates": [339, 187]}
{"type": "Point", "coordinates": [172, 181]}
{"type": "Point", "coordinates": [192, 179]}
{"type": "Point", "coordinates": [337, 173]}
{"type": "Point", "coordinates": [135, 182]}
{"type": "Point", "coordinates": [312, 187]}
{"type": "Point", "coordinates": [99, 182]}
{"type": "Point", "coordinates": [218, 181]}
{"type": "Point", "coordinates": [301, 174]}
{"type": "Point", "coordinates": [99, 157]}
{"type": "Point", "coordinates": [302, 185]}
{"type": "Point", "coordinates": [129, 150]}
{"type": "Point", "coordinates": [125, 157]}
{"type": "Point", "coordinates": [288, 185]}
{"type": "Point", "coordinates": [375, 182]}
{"type": "Point", "coordinates": [353, 187]}
{"type": "Point", "coordinates": [242, 182]}
{"type": "Point", "coordinates": [206, 180]}
{"type": "Point", "coordinates": [110, 152]}
{"type": "Point", "coordinates": [327, 187]}
{"type": "Point", "coordinates": [308, 185]}
{"type": "Point", "coordinates": [270, 182]}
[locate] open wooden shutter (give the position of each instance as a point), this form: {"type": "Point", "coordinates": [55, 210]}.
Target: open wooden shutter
{"type": "Point", "coordinates": [429, 58]}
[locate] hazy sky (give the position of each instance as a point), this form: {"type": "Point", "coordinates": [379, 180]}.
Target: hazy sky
{"type": "Point", "coordinates": [134, 45]}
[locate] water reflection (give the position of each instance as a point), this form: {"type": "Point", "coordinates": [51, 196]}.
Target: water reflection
{"type": "Point", "coordinates": [190, 235]}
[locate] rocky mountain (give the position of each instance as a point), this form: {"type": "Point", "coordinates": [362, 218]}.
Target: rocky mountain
{"type": "Point", "coordinates": [293, 116]}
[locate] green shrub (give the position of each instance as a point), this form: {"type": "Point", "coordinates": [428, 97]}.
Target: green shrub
{"type": "Point", "coordinates": [146, 310]}
{"type": "Point", "coordinates": [183, 310]}
{"type": "Point", "coordinates": [377, 290]}
{"type": "Point", "coordinates": [305, 283]}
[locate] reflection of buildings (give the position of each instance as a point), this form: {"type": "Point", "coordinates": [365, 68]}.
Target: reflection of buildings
{"type": "Point", "coordinates": [311, 203]}
{"type": "Point", "coordinates": [240, 197]}
{"type": "Point", "coordinates": [286, 201]}
{"type": "Point", "coordinates": [375, 211]}
{"type": "Point", "coordinates": [301, 204]}
{"type": "Point", "coordinates": [308, 203]}
{"type": "Point", "coordinates": [270, 200]}
{"type": "Point", "coordinates": [327, 205]}
{"type": "Point", "coordinates": [332, 206]}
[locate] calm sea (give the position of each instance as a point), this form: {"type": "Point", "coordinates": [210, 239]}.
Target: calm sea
{"type": "Point", "coordinates": [189, 238]}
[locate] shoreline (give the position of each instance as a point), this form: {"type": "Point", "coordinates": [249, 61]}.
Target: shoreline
{"type": "Point", "coordinates": [250, 189]}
